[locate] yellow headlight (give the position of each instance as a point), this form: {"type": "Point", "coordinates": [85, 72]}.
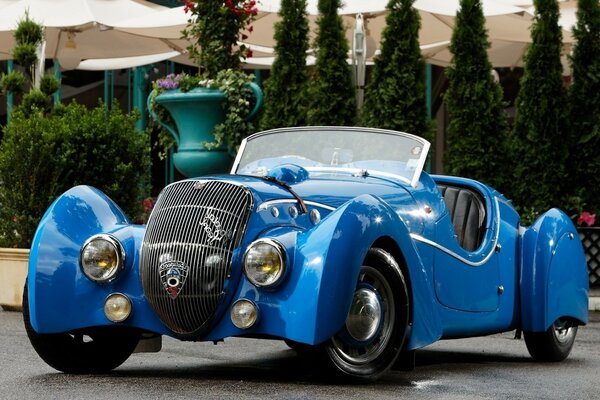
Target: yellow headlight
{"type": "Point", "coordinates": [101, 258]}
{"type": "Point", "coordinates": [117, 307]}
{"type": "Point", "coordinates": [264, 262]}
{"type": "Point", "coordinates": [244, 314]}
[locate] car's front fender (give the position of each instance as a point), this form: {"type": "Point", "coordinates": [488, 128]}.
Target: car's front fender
{"type": "Point", "coordinates": [312, 304]}
{"type": "Point", "coordinates": [61, 298]}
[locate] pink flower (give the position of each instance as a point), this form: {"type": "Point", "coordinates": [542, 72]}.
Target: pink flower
{"type": "Point", "coordinates": [587, 219]}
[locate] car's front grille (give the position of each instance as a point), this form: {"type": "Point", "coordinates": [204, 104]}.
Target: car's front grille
{"type": "Point", "coordinates": [187, 251]}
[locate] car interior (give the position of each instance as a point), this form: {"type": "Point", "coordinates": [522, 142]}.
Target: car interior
{"type": "Point", "coordinates": [467, 211]}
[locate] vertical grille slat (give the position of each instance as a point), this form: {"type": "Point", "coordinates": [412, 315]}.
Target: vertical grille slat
{"type": "Point", "coordinates": [191, 236]}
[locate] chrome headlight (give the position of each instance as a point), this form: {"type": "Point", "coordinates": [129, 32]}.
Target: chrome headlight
{"type": "Point", "coordinates": [264, 262]}
{"type": "Point", "coordinates": [101, 258]}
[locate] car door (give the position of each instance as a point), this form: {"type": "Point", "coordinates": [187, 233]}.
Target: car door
{"type": "Point", "coordinates": [466, 269]}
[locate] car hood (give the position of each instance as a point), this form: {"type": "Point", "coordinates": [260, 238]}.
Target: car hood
{"type": "Point", "coordinates": [333, 190]}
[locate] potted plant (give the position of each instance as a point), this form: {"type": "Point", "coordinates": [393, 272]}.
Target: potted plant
{"type": "Point", "coordinates": [48, 148]}
{"type": "Point", "coordinates": [208, 114]}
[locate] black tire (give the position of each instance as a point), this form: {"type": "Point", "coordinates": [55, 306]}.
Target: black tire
{"type": "Point", "coordinates": [553, 345]}
{"type": "Point", "coordinates": [370, 341]}
{"type": "Point", "coordinates": [98, 350]}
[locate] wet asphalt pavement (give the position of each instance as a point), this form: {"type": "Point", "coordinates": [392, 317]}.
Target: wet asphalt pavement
{"type": "Point", "coordinates": [493, 367]}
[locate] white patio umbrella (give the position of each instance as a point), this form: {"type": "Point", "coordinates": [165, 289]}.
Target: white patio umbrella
{"type": "Point", "coordinates": [105, 64]}
{"type": "Point", "coordinates": [509, 36]}
{"type": "Point", "coordinates": [82, 29]}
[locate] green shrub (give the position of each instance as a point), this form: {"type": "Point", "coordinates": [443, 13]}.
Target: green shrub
{"type": "Point", "coordinates": [584, 95]}
{"type": "Point", "coordinates": [41, 157]}
{"type": "Point", "coordinates": [25, 54]}
{"type": "Point", "coordinates": [35, 101]}
{"type": "Point", "coordinates": [14, 81]}
{"type": "Point", "coordinates": [478, 128]}
{"type": "Point", "coordinates": [395, 97]}
{"type": "Point", "coordinates": [540, 142]}
{"type": "Point", "coordinates": [285, 89]}
{"type": "Point", "coordinates": [331, 92]}
{"type": "Point", "coordinates": [28, 31]}
{"type": "Point", "coordinates": [49, 84]}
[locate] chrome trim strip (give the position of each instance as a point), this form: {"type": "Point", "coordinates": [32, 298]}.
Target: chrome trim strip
{"type": "Point", "coordinates": [470, 263]}
{"type": "Point", "coordinates": [269, 203]}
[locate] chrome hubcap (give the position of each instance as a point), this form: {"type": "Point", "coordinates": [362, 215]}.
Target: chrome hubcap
{"type": "Point", "coordinates": [563, 330]}
{"type": "Point", "coordinates": [365, 316]}
{"type": "Point", "coordinates": [370, 322]}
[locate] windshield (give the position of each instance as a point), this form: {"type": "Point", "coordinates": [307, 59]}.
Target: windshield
{"type": "Point", "coordinates": [332, 149]}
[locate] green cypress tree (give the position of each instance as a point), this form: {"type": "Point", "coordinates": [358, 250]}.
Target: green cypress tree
{"type": "Point", "coordinates": [285, 89]}
{"type": "Point", "coordinates": [584, 96]}
{"type": "Point", "coordinates": [478, 127]}
{"type": "Point", "coordinates": [395, 96]}
{"type": "Point", "coordinates": [331, 92]}
{"type": "Point", "coordinates": [540, 136]}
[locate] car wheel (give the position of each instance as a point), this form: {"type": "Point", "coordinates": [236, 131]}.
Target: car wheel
{"type": "Point", "coordinates": [376, 326]}
{"type": "Point", "coordinates": [96, 351]}
{"type": "Point", "coordinates": [553, 345]}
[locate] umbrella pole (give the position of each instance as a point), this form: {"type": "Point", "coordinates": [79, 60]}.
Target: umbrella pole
{"type": "Point", "coordinates": [359, 49]}
{"type": "Point", "coordinates": [139, 95]}
{"type": "Point", "coordinates": [58, 76]}
{"type": "Point", "coordinates": [109, 89]}
{"type": "Point", "coordinates": [9, 95]}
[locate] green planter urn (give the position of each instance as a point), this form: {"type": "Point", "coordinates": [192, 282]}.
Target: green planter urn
{"type": "Point", "coordinates": [196, 113]}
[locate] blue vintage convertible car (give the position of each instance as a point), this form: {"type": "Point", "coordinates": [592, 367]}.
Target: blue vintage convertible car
{"type": "Point", "coordinates": [332, 239]}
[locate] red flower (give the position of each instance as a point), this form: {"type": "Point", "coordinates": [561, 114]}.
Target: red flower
{"type": "Point", "coordinates": [249, 53]}
{"type": "Point", "coordinates": [250, 28]}
{"type": "Point", "coordinates": [188, 6]}
{"type": "Point", "coordinates": [148, 204]}
{"type": "Point", "coordinates": [587, 219]}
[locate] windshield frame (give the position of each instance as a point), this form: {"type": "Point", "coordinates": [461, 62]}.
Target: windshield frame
{"type": "Point", "coordinates": [418, 168]}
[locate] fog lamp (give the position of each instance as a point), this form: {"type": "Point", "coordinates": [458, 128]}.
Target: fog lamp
{"type": "Point", "coordinates": [117, 307]}
{"type": "Point", "coordinates": [101, 258]}
{"type": "Point", "coordinates": [264, 262]}
{"type": "Point", "coordinates": [244, 314]}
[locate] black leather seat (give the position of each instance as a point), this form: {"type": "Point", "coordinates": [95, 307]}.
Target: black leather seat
{"type": "Point", "coordinates": [467, 211]}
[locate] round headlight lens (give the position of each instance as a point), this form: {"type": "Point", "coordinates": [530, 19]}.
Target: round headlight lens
{"type": "Point", "coordinates": [244, 314]}
{"type": "Point", "coordinates": [117, 307]}
{"type": "Point", "coordinates": [264, 262]}
{"type": "Point", "coordinates": [101, 258]}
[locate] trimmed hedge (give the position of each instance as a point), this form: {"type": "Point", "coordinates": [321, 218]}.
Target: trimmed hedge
{"type": "Point", "coordinates": [43, 156]}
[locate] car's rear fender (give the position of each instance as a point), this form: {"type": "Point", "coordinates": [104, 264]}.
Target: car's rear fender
{"type": "Point", "coordinates": [554, 277]}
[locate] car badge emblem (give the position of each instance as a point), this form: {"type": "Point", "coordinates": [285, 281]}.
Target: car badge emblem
{"type": "Point", "coordinates": [213, 229]}
{"type": "Point", "coordinates": [198, 185]}
{"type": "Point", "coordinates": [173, 275]}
